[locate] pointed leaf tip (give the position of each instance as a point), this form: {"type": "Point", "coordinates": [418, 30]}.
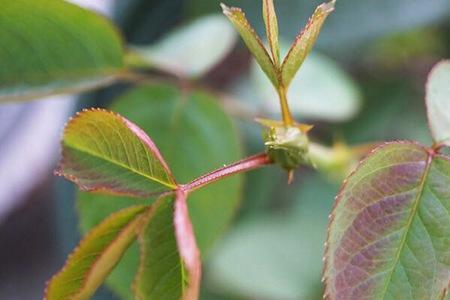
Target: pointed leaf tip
{"type": "Point", "coordinates": [304, 42]}
{"type": "Point", "coordinates": [271, 22]}
{"type": "Point", "coordinates": [102, 151]}
{"type": "Point", "coordinates": [96, 256]}
{"type": "Point", "coordinates": [252, 41]}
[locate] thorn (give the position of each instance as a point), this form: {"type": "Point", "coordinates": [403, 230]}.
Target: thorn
{"type": "Point", "coordinates": [323, 279]}
{"type": "Point", "coordinates": [290, 176]}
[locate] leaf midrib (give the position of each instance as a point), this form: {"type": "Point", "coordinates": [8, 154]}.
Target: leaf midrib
{"type": "Point", "coordinates": [86, 151]}
{"type": "Point", "coordinates": [410, 220]}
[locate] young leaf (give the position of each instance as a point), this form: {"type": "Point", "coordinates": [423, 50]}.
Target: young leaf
{"type": "Point", "coordinates": [54, 47]}
{"type": "Point", "coordinates": [195, 136]}
{"type": "Point", "coordinates": [170, 265]}
{"type": "Point", "coordinates": [389, 236]}
{"type": "Point", "coordinates": [105, 152]}
{"type": "Point", "coordinates": [253, 42]}
{"type": "Point", "coordinates": [304, 42]}
{"type": "Point", "coordinates": [270, 19]}
{"type": "Point", "coordinates": [190, 51]}
{"type": "Point", "coordinates": [438, 102]}
{"type": "Point", "coordinates": [98, 253]}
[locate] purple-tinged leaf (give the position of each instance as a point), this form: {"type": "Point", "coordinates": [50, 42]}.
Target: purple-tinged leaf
{"type": "Point", "coordinates": [170, 260]}
{"type": "Point", "coordinates": [98, 253]}
{"type": "Point", "coordinates": [304, 42]}
{"type": "Point", "coordinates": [438, 102]}
{"type": "Point", "coordinates": [389, 233]}
{"type": "Point", "coordinates": [105, 152]}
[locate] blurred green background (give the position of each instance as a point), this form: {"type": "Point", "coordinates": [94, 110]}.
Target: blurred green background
{"type": "Point", "coordinates": [363, 83]}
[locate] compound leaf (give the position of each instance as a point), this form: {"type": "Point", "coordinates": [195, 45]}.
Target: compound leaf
{"type": "Point", "coordinates": [52, 47]}
{"type": "Point", "coordinates": [195, 136]}
{"type": "Point", "coordinates": [438, 102]}
{"type": "Point", "coordinates": [98, 253]}
{"type": "Point", "coordinates": [389, 236]}
{"type": "Point", "coordinates": [105, 152]}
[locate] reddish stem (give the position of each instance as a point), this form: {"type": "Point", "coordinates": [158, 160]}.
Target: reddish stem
{"type": "Point", "coordinates": [247, 164]}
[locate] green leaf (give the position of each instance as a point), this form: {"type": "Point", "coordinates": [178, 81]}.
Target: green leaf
{"type": "Point", "coordinates": [277, 255]}
{"type": "Point", "coordinates": [389, 236]}
{"type": "Point", "coordinates": [105, 152]}
{"type": "Point", "coordinates": [271, 22]}
{"type": "Point", "coordinates": [168, 269]}
{"type": "Point", "coordinates": [253, 42]}
{"type": "Point", "coordinates": [195, 136]}
{"type": "Point", "coordinates": [438, 102]}
{"type": "Point", "coordinates": [189, 51]}
{"type": "Point", "coordinates": [54, 47]}
{"type": "Point", "coordinates": [321, 91]}
{"type": "Point", "coordinates": [304, 42]}
{"type": "Point", "coordinates": [98, 253]}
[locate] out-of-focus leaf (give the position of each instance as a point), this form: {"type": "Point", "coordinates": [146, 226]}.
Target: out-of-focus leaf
{"type": "Point", "coordinates": [96, 256]}
{"type": "Point", "coordinates": [438, 102]}
{"type": "Point", "coordinates": [271, 22]}
{"type": "Point", "coordinates": [276, 256]}
{"type": "Point", "coordinates": [195, 136]}
{"type": "Point", "coordinates": [304, 43]}
{"type": "Point", "coordinates": [189, 51]}
{"type": "Point", "coordinates": [53, 47]}
{"type": "Point", "coordinates": [105, 152]}
{"type": "Point", "coordinates": [253, 42]}
{"type": "Point", "coordinates": [389, 232]}
{"type": "Point", "coordinates": [170, 261]}
{"type": "Point", "coordinates": [321, 91]}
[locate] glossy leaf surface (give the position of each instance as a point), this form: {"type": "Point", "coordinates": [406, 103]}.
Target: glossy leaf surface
{"type": "Point", "coordinates": [98, 253]}
{"type": "Point", "coordinates": [389, 236]}
{"type": "Point", "coordinates": [191, 50]}
{"type": "Point", "coordinates": [304, 42]}
{"type": "Point", "coordinates": [170, 265]}
{"type": "Point", "coordinates": [195, 136]}
{"type": "Point", "coordinates": [438, 102]}
{"type": "Point", "coordinates": [105, 152]}
{"type": "Point", "coordinates": [253, 42]}
{"type": "Point", "coordinates": [52, 47]}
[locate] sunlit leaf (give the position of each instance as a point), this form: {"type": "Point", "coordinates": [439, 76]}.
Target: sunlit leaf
{"type": "Point", "coordinates": [438, 102]}
{"type": "Point", "coordinates": [253, 42]}
{"type": "Point", "coordinates": [271, 22]}
{"type": "Point", "coordinates": [304, 42]}
{"type": "Point", "coordinates": [389, 236]}
{"type": "Point", "coordinates": [189, 51]}
{"type": "Point", "coordinates": [195, 136]}
{"type": "Point", "coordinates": [105, 152]}
{"type": "Point", "coordinates": [321, 91]}
{"type": "Point", "coordinates": [98, 253]}
{"type": "Point", "coordinates": [52, 47]}
{"type": "Point", "coordinates": [170, 265]}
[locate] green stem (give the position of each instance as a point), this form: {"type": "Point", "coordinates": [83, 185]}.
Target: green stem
{"type": "Point", "coordinates": [287, 116]}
